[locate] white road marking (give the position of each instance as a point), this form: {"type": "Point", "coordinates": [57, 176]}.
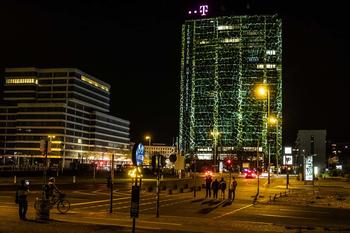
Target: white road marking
{"type": "Point", "coordinates": [283, 216]}
{"type": "Point", "coordinates": [115, 224]}
{"type": "Point", "coordinates": [100, 201]}
{"type": "Point", "coordinates": [140, 221]}
{"type": "Point", "coordinates": [84, 193]}
{"type": "Point", "coordinates": [234, 211]}
{"type": "Point", "coordinates": [305, 211]}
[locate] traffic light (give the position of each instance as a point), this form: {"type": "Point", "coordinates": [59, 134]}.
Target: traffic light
{"type": "Point", "coordinates": [228, 163]}
{"type": "Point", "coordinates": [173, 158]}
{"type": "Point", "coordinates": [158, 162]}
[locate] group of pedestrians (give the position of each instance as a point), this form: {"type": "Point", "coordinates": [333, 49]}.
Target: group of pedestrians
{"type": "Point", "coordinates": [22, 192]}
{"type": "Point", "coordinates": [219, 185]}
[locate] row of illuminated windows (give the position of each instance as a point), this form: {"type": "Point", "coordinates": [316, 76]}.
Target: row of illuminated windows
{"type": "Point", "coordinates": [41, 109]}
{"type": "Point", "coordinates": [94, 83]}
{"type": "Point", "coordinates": [113, 121]}
{"type": "Point", "coordinates": [109, 132]}
{"type": "Point", "coordinates": [95, 100]}
{"type": "Point", "coordinates": [267, 66]}
{"type": "Point", "coordinates": [80, 84]}
{"type": "Point", "coordinates": [26, 138]}
{"type": "Point", "coordinates": [120, 140]}
{"type": "Point", "coordinates": [49, 131]}
{"type": "Point", "coordinates": [21, 81]}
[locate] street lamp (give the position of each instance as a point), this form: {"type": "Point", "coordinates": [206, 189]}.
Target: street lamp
{"type": "Point", "coordinates": [149, 139]}
{"type": "Point", "coordinates": [262, 91]}
{"type": "Point", "coordinates": [215, 134]}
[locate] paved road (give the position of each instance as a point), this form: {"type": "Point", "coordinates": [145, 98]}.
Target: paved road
{"type": "Point", "coordinates": [90, 204]}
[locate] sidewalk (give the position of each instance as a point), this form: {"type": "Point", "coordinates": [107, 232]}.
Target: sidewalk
{"type": "Point", "coordinates": [324, 193]}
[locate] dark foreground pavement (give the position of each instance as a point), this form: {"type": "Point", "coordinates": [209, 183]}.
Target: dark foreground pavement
{"type": "Point", "coordinates": [10, 224]}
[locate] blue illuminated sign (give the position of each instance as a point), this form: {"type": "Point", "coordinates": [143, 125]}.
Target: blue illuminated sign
{"type": "Point", "coordinates": [140, 154]}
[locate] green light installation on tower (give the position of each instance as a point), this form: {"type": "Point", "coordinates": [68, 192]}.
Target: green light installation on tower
{"type": "Point", "coordinates": [222, 60]}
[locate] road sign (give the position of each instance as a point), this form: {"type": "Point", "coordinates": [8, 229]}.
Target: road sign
{"type": "Point", "coordinates": [287, 160]}
{"type": "Point", "coordinates": [45, 146]}
{"type": "Point", "coordinates": [138, 154]}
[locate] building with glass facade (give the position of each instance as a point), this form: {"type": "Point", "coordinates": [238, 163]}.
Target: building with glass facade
{"type": "Point", "coordinates": [66, 105]}
{"type": "Point", "coordinates": [223, 60]}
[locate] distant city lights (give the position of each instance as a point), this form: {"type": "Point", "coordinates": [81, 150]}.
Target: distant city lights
{"type": "Point", "coordinates": [203, 10]}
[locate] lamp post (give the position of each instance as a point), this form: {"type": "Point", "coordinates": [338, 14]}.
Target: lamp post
{"type": "Point", "coordinates": [262, 91]}
{"type": "Point", "coordinates": [149, 139]}
{"type": "Point", "coordinates": [215, 134]}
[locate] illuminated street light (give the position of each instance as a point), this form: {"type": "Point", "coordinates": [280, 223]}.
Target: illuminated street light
{"type": "Point", "coordinates": [149, 139]}
{"type": "Point", "coordinates": [272, 120]}
{"type": "Point", "coordinates": [135, 172]}
{"type": "Point", "coordinates": [262, 91]}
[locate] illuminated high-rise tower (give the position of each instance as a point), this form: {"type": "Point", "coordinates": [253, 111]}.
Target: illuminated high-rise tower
{"type": "Point", "coordinates": [223, 59]}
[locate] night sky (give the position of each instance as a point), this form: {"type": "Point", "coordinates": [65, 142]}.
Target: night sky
{"type": "Point", "coordinates": [135, 46]}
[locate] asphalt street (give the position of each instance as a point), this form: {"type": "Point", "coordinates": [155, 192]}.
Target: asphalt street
{"type": "Point", "coordinates": [90, 203]}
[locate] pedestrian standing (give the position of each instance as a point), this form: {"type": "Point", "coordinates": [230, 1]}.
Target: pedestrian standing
{"type": "Point", "coordinates": [21, 199]}
{"type": "Point", "coordinates": [215, 187]}
{"type": "Point", "coordinates": [208, 182]}
{"type": "Point", "coordinates": [233, 190]}
{"type": "Point", "coordinates": [223, 188]}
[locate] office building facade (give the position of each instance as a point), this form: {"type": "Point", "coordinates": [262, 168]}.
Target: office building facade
{"type": "Point", "coordinates": [64, 105]}
{"type": "Point", "coordinates": [223, 60]}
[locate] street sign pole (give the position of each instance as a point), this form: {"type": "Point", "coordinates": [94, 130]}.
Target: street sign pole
{"type": "Point", "coordinates": [137, 157]}
{"type": "Point", "coordinates": [158, 191]}
{"type": "Point", "coordinates": [112, 182]}
{"type": "Point", "coordinates": [194, 178]}
{"type": "Point", "coordinates": [287, 183]}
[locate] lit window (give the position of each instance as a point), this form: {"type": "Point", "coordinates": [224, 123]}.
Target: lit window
{"type": "Point", "coordinates": [231, 40]}
{"type": "Point", "coordinates": [227, 27]}
{"type": "Point", "coordinates": [270, 52]}
{"type": "Point", "coordinates": [267, 66]}
{"type": "Point", "coordinates": [260, 66]}
{"type": "Point", "coordinates": [94, 83]}
{"type": "Point", "coordinates": [21, 81]}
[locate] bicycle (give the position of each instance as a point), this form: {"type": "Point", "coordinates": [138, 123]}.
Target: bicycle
{"type": "Point", "coordinates": [62, 205]}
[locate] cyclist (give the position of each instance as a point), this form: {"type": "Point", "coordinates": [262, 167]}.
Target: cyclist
{"type": "Point", "coordinates": [51, 189]}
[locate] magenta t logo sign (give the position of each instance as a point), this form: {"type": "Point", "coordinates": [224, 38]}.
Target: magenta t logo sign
{"type": "Point", "coordinates": [203, 9]}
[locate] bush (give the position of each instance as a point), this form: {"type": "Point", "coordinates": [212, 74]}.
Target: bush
{"type": "Point", "coordinates": [335, 172]}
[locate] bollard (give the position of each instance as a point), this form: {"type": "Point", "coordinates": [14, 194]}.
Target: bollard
{"type": "Point", "coordinates": [14, 179]}
{"type": "Point", "coordinates": [42, 208]}
{"type": "Point", "coordinates": [73, 179]}
{"type": "Point", "coordinates": [274, 198]}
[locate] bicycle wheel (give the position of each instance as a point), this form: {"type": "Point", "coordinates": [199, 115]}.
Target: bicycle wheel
{"type": "Point", "coordinates": [63, 206]}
